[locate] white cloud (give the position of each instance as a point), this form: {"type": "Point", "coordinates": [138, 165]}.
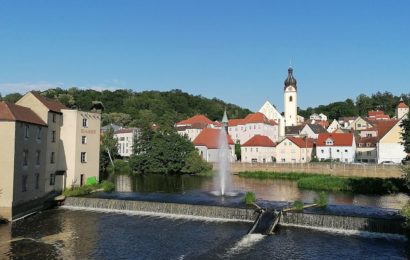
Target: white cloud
{"type": "Point", "coordinates": [24, 87]}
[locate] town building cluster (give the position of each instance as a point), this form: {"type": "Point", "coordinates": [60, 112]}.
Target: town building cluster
{"type": "Point", "coordinates": [45, 148]}
{"type": "Point", "coordinates": [269, 136]}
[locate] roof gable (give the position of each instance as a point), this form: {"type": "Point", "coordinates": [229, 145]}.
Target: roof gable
{"type": "Point", "coordinates": [52, 105]}
{"type": "Point", "coordinates": [260, 141]}
{"type": "Point", "coordinates": [209, 137]}
{"type": "Point", "coordinates": [12, 112]}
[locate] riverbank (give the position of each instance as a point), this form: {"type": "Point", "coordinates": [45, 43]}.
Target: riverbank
{"type": "Point", "coordinates": [334, 169]}
{"type": "Point", "coordinates": [323, 182]}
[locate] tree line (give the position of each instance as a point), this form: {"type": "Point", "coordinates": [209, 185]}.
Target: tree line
{"type": "Point", "coordinates": [385, 101]}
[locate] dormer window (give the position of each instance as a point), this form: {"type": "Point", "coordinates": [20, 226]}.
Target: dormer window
{"type": "Point", "coordinates": [329, 141]}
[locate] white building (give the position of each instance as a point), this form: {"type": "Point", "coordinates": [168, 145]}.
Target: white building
{"type": "Point", "coordinates": [389, 147]}
{"type": "Point", "coordinates": [294, 150]}
{"type": "Point", "coordinates": [207, 145]}
{"type": "Point", "coordinates": [258, 149]}
{"type": "Point", "coordinates": [336, 146]}
{"type": "Point", "coordinates": [333, 126]}
{"type": "Point", "coordinates": [241, 130]}
{"type": "Point", "coordinates": [272, 113]}
{"type": "Point", "coordinates": [401, 109]}
{"type": "Point", "coordinates": [319, 117]}
{"type": "Point", "coordinates": [312, 131]}
{"type": "Point", "coordinates": [192, 126]}
{"type": "Point", "coordinates": [125, 138]}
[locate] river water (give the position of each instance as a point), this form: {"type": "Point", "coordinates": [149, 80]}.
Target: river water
{"type": "Point", "coordinates": [271, 190]}
{"type": "Point", "coordinates": [69, 234]}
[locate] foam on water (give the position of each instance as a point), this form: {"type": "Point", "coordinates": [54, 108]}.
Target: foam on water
{"type": "Point", "coordinates": [247, 241]}
{"type": "Point", "coordinates": [156, 214]}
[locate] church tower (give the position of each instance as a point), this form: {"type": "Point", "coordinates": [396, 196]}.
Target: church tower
{"type": "Point", "coordinates": [290, 99]}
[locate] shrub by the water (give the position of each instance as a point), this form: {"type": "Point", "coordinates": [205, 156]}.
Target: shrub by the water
{"type": "Point", "coordinates": [249, 198]}
{"type": "Point", "coordinates": [405, 212]}
{"type": "Point", "coordinates": [298, 205]}
{"type": "Point", "coordinates": [107, 186]}
{"type": "Point", "coordinates": [326, 183]}
{"type": "Point", "coordinates": [77, 191]}
{"type": "Point", "coordinates": [321, 200]}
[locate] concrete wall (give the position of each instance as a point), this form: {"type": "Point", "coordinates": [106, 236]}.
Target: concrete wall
{"type": "Point", "coordinates": [335, 169]}
{"type": "Point", "coordinates": [258, 154]}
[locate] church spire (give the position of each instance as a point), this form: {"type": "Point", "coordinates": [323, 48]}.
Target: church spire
{"type": "Point", "coordinates": [225, 121]}
{"type": "Point", "coordinates": [290, 80]}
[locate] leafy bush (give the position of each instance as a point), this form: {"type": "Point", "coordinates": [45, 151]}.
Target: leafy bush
{"type": "Point", "coordinates": [322, 199]}
{"type": "Point", "coordinates": [327, 183]}
{"type": "Point", "coordinates": [107, 186]}
{"type": "Point", "coordinates": [77, 191]}
{"type": "Point", "coordinates": [195, 164]}
{"type": "Point", "coordinates": [120, 167]}
{"type": "Point", "coordinates": [405, 212]}
{"type": "Point", "coordinates": [298, 205]}
{"type": "Point", "coordinates": [249, 198]}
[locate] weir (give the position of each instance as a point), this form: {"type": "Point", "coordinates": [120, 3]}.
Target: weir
{"type": "Point", "coordinates": [310, 220]}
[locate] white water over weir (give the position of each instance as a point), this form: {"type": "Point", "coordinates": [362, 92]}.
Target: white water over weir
{"type": "Point", "coordinates": [347, 224]}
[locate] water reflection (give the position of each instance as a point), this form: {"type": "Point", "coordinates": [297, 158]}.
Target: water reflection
{"type": "Point", "coordinates": [273, 190]}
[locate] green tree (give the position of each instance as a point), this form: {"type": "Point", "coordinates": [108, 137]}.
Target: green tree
{"type": "Point", "coordinates": [160, 152]}
{"type": "Point", "coordinates": [13, 97]}
{"type": "Point", "coordinates": [119, 167]}
{"type": "Point", "coordinates": [195, 164]}
{"type": "Point", "coordinates": [405, 135]}
{"type": "Point", "coordinates": [238, 151]}
{"type": "Point", "coordinates": [108, 148]}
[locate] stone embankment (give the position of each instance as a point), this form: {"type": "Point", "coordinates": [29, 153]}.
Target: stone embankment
{"type": "Point", "coordinates": [335, 169]}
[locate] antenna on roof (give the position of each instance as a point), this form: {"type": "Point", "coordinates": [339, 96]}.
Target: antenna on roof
{"type": "Point", "coordinates": [290, 63]}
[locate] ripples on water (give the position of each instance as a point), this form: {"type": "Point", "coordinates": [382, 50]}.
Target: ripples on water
{"type": "Point", "coordinates": [65, 234]}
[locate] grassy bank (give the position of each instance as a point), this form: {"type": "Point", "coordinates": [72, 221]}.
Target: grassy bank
{"type": "Point", "coordinates": [360, 185]}
{"type": "Point", "coordinates": [87, 189]}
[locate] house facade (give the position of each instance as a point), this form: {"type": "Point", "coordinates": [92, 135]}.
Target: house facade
{"type": "Point", "coordinates": [22, 159]}
{"type": "Point", "coordinates": [258, 149]}
{"type": "Point", "coordinates": [207, 144]}
{"type": "Point", "coordinates": [336, 146]}
{"type": "Point", "coordinates": [125, 138]}
{"type": "Point", "coordinates": [192, 126]}
{"type": "Point", "coordinates": [389, 147]}
{"type": "Point", "coordinates": [312, 131]}
{"type": "Point", "coordinates": [294, 150]}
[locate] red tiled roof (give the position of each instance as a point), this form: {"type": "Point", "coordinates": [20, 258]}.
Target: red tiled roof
{"type": "Point", "coordinates": [12, 112]}
{"type": "Point", "coordinates": [260, 140]}
{"type": "Point", "coordinates": [339, 139]}
{"type": "Point", "coordinates": [257, 117]}
{"type": "Point", "coordinates": [198, 119]}
{"type": "Point", "coordinates": [301, 141]}
{"type": "Point", "coordinates": [52, 105]}
{"type": "Point", "coordinates": [235, 122]}
{"type": "Point", "coordinates": [209, 137]}
{"type": "Point", "coordinates": [402, 105]}
{"type": "Point", "coordinates": [363, 141]}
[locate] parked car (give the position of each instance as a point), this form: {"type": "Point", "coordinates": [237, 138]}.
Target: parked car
{"type": "Point", "coordinates": [388, 163]}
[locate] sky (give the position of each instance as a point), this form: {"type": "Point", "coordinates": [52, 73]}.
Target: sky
{"type": "Point", "coordinates": [237, 51]}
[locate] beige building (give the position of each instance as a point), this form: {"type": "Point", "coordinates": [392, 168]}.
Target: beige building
{"type": "Point", "coordinates": [80, 136]}
{"type": "Point", "coordinates": [45, 148]}
{"type": "Point", "coordinates": [258, 149]}
{"type": "Point", "coordinates": [23, 137]}
{"type": "Point", "coordinates": [294, 150]}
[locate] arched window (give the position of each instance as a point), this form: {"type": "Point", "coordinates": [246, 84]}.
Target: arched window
{"type": "Point", "coordinates": [290, 99]}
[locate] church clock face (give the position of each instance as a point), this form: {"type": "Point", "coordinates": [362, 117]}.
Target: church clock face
{"type": "Point", "coordinates": [290, 88]}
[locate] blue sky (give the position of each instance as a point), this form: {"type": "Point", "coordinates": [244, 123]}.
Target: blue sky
{"type": "Point", "coordinates": [238, 51]}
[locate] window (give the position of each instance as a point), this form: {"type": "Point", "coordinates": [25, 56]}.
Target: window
{"type": "Point", "coordinates": [27, 131]}
{"type": "Point", "coordinates": [39, 133]}
{"type": "Point", "coordinates": [369, 153]}
{"type": "Point", "coordinates": [322, 151]}
{"type": "Point", "coordinates": [254, 160]}
{"type": "Point", "coordinates": [329, 141]}
{"type": "Point", "coordinates": [256, 149]}
{"type": "Point", "coordinates": [54, 118]}
{"type": "Point", "coordinates": [368, 144]}
{"type": "Point", "coordinates": [83, 139]}
{"type": "Point", "coordinates": [52, 157]}
{"type": "Point", "coordinates": [25, 157]}
{"type": "Point", "coordinates": [346, 151]}
{"type": "Point", "coordinates": [37, 157]}
{"type": "Point", "coordinates": [24, 183]}
{"type": "Point", "coordinates": [85, 122]}
{"type": "Point", "coordinates": [52, 179]}
{"type": "Point", "coordinates": [290, 99]}
{"type": "Point", "coordinates": [122, 138]}
{"type": "Point", "coordinates": [36, 181]}
{"type": "Point", "coordinates": [53, 136]}
{"type": "Point", "coordinates": [337, 150]}
{"type": "Point", "coordinates": [359, 153]}
{"type": "Point", "coordinates": [368, 135]}
{"type": "Point", "coordinates": [83, 157]}
{"type": "Point", "coordinates": [283, 160]}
